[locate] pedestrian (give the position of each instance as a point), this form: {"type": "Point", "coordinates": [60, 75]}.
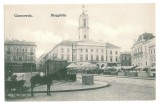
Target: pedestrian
{"type": "Point", "coordinates": [14, 78]}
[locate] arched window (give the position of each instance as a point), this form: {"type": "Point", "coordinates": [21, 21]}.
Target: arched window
{"type": "Point", "coordinates": [102, 59]}
{"type": "Point", "coordinates": [84, 35]}
{"type": "Point", "coordinates": [81, 57]}
{"type": "Point", "coordinates": [91, 56]}
{"type": "Point", "coordinates": [97, 58]}
{"type": "Point", "coordinates": [86, 57]}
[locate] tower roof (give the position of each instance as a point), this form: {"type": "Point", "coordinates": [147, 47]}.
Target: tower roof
{"type": "Point", "coordinates": [144, 37]}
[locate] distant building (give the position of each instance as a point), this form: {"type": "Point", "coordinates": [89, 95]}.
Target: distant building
{"type": "Point", "coordinates": [152, 52]}
{"type": "Point", "coordinates": [19, 55]}
{"type": "Point", "coordinates": [85, 50]}
{"type": "Point", "coordinates": [143, 51]}
{"type": "Point", "coordinates": [125, 59]}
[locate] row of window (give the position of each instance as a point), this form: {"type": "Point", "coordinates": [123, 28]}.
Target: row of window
{"type": "Point", "coordinates": [138, 50]}
{"type": "Point", "coordinates": [19, 53]}
{"type": "Point", "coordinates": [111, 59]}
{"type": "Point", "coordinates": [20, 49]}
{"type": "Point", "coordinates": [86, 57]}
{"type": "Point", "coordinates": [140, 64]}
{"type": "Point", "coordinates": [87, 50]}
{"type": "Point", "coordinates": [15, 58]}
{"type": "Point", "coordinates": [91, 58]}
{"type": "Point", "coordinates": [140, 57]}
{"type": "Point", "coordinates": [137, 57]}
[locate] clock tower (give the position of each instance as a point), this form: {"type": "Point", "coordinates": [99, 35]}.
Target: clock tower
{"type": "Point", "coordinates": [83, 26]}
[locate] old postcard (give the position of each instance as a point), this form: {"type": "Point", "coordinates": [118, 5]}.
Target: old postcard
{"type": "Point", "coordinates": [80, 52]}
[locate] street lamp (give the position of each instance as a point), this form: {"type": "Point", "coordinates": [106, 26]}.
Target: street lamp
{"type": "Point", "coordinates": [31, 68]}
{"type": "Point", "coordinates": [32, 61]}
{"type": "Point", "coordinates": [76, 52]}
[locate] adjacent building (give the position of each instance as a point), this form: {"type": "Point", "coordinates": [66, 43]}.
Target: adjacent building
{"type": "Point", "coordinates": [125, 59]}
{"type": "Point", "coordinates": [19, 55]}
{"type": "Point", "coordinates": [84, 49]}
{"type": "Point", "coordinates": [143, 51]}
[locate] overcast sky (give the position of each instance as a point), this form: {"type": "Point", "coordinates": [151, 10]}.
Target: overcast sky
{"type": "Point", "coordinates": [118, 24]}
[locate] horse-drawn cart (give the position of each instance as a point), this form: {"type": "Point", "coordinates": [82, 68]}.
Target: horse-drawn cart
{"type": "Point", "coordinates": [15, 89]}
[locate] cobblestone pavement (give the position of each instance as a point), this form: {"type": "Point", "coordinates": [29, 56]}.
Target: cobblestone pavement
{"type": "Point", "coordinates": [128, 81]}
{"type": "Point", "coordinates": [120, 89]}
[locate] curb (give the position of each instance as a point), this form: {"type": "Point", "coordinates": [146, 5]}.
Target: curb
{"type": "Point", "coordinates": [125, 77]}
{"type": "Point", "coordinates": [73, 90]}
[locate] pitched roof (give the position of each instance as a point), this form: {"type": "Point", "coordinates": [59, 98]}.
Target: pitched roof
{"type": "Point", "coordinates": [68, 43]}
{"type": "Point", "coordinates": [109, 45]}
{"type": "Point", "coordinates": [17, 42]}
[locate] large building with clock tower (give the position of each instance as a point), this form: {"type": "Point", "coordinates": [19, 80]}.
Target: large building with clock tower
{"type": "Point", "coordinates": [84, 49]}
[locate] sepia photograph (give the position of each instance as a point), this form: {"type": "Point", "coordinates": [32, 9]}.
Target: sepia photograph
{"type": "Point", "coordinates": [80, 52]}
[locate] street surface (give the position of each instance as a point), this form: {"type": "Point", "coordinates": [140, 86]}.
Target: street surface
{"type": "Point", "coordinates": [120, 89]}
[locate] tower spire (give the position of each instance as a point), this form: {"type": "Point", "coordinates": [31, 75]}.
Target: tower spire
{"type": "Point", "coordinates": [83, 8]}
{"type": "Point", "coordinates": [83, 25]}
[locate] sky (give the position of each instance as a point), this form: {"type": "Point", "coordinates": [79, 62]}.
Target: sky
{"type": "Point", "coordinates": [119, 24]}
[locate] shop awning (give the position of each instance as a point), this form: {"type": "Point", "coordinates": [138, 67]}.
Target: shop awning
{"type": "Point", "coordinates": [88, 65]}
{"type": "Point", "coordinates": [72, 65]}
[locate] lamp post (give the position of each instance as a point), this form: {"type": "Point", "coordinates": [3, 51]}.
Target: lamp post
{"type": "Point", "coordinates": [32, 61]}
{"type": "Point", "coordinates": [72, 52]}
{"type": "Point", "coordinates": [76, 52]}
{"type": "Point", "coordinates": [31, 68]}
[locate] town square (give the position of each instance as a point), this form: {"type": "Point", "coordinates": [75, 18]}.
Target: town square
{"type": "Point", "coordinates": [80, 52]}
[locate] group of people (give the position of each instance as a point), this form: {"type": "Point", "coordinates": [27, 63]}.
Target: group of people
{"type": "Point", "coordinates": [10, 76]}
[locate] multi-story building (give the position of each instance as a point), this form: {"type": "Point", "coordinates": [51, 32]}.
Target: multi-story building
{"type": "Point", "coordinates": [85, 50]}
{"type": "Point", "coordinates": [125, 59]}
{"type": "Point", "coordinates": [152, 52]}
{"type": "Point", "coordinates": [19, 55]}
{"type": "Point", "coordinates": [112, 54]}
{"type": "Point", "coordinates": [143, 51]}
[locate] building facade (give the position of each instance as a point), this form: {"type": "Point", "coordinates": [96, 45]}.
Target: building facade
{"type": "Point", "coordinates": [19, 55]}
{"type": "Point", "coordinates": [143, 51]}
{"type": "Point", "coordinates": [125, 59]}
{"type": "Point", "coordinates": [85, 50]}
